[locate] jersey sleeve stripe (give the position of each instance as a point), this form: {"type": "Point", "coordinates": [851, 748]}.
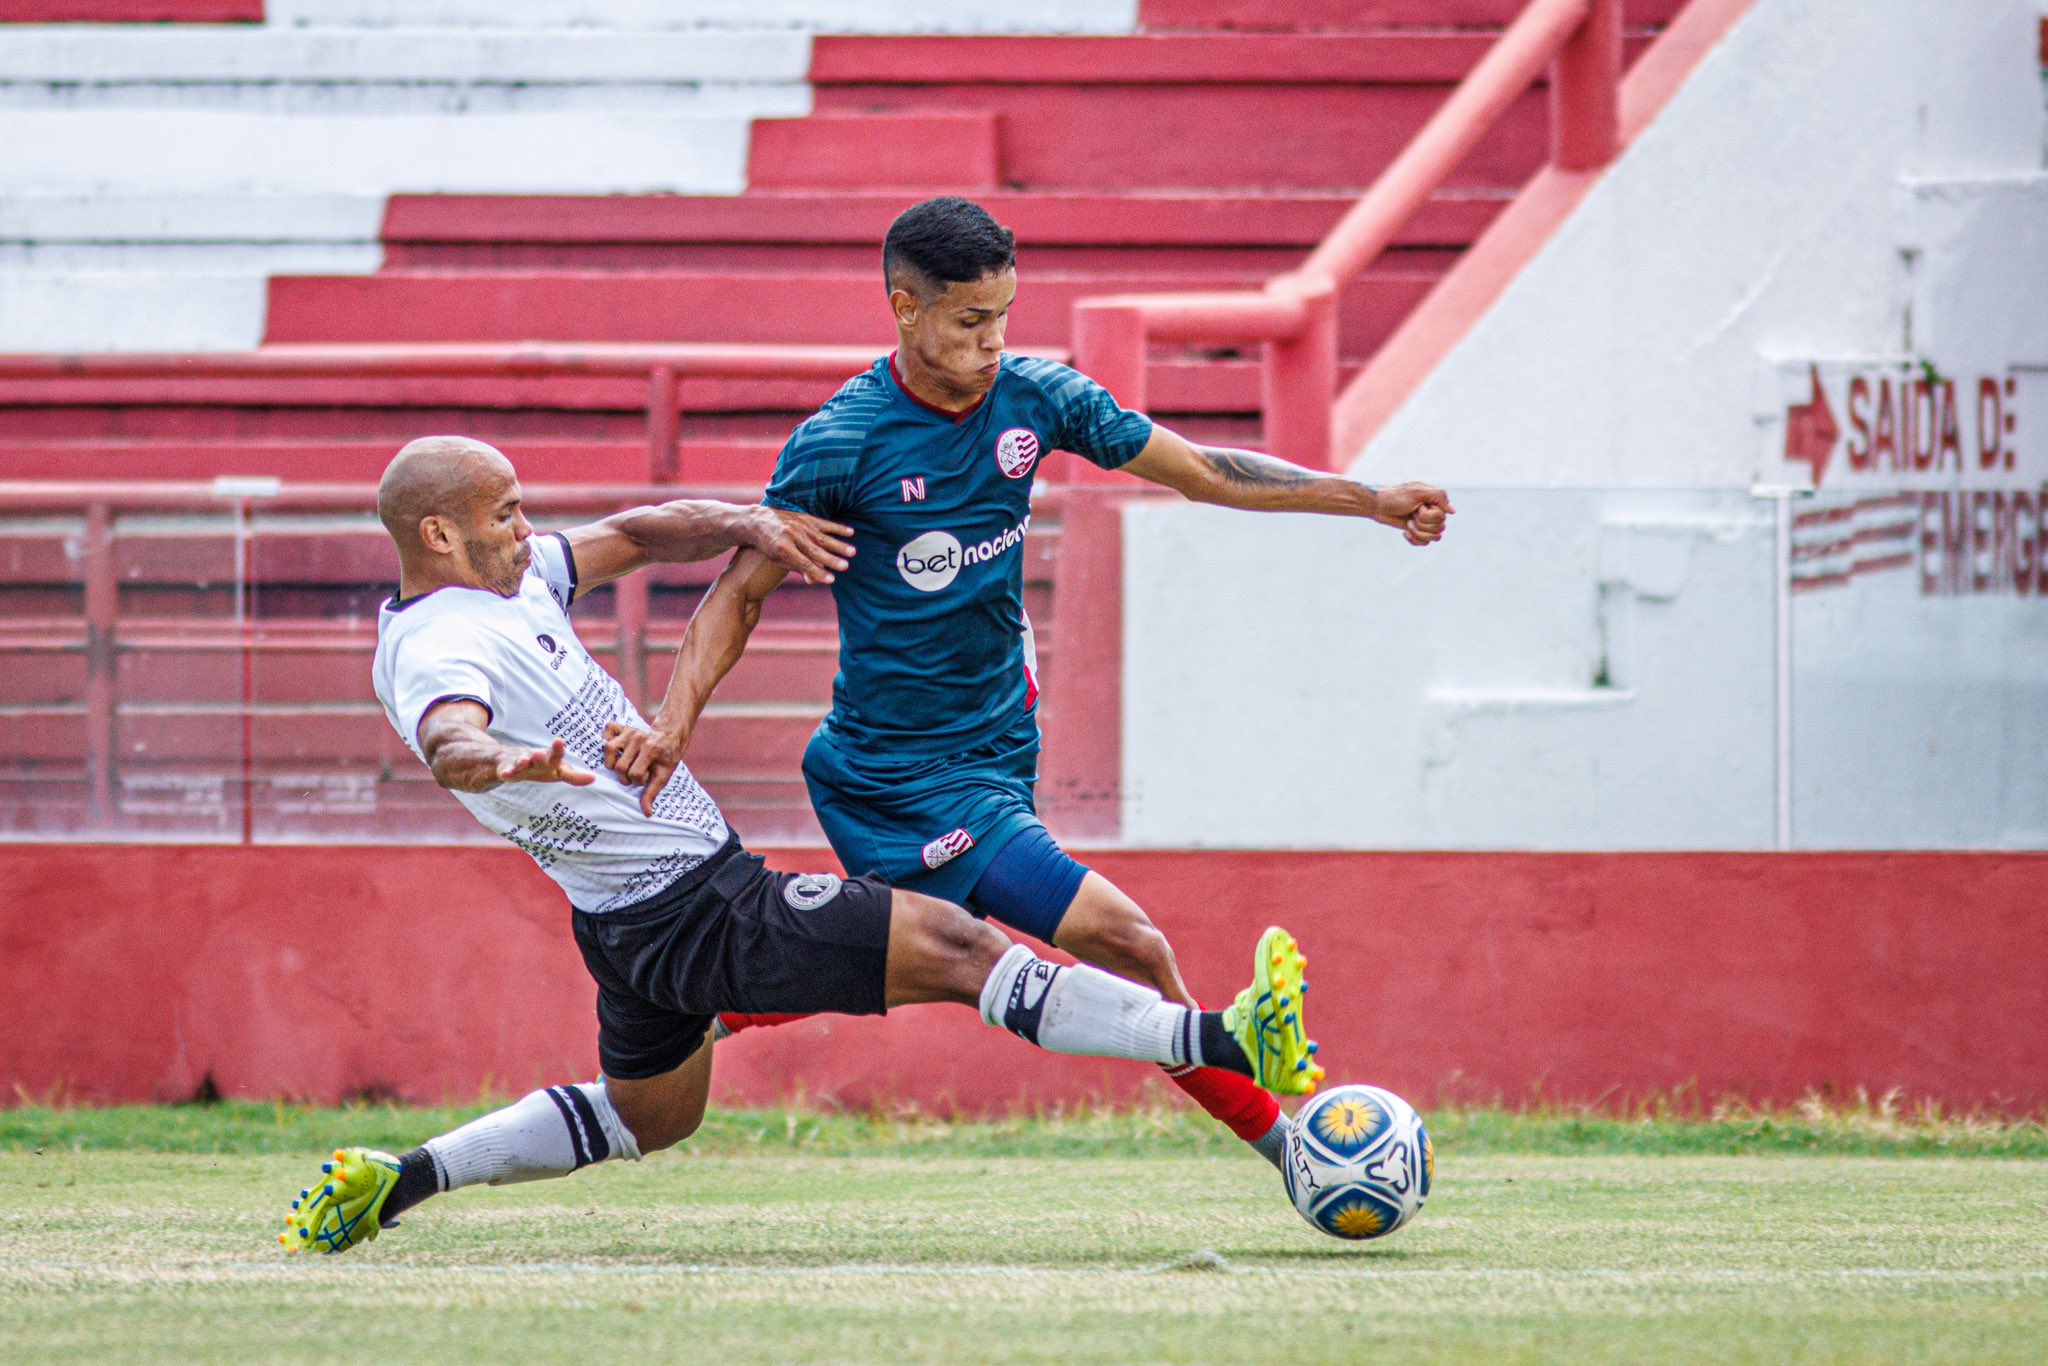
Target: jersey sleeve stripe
{"type": "Point", "coordinates": [569, 560]}
{"type": "Point", "coordinates": [428, 710]}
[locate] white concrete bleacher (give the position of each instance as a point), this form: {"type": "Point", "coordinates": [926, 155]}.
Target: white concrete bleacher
{"type": "Point", "coordinates": [152, 177]}
{"type": "Point", "coordinates": [810, 16]}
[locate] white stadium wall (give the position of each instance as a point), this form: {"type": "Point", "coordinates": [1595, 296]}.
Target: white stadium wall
{"type": "Point", "coordinates": [1648, 628]}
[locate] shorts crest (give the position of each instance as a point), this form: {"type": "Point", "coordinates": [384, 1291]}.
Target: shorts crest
{"type": "Point", "coordinates": [946, 848]}
{"type": "Point", "coordinates": [809, 891]}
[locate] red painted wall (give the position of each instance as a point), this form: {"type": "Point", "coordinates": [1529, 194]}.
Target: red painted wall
{"type": "Point", "coordinates": [133, 972]}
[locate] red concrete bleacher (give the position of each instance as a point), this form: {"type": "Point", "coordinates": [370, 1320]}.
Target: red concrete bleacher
{"type": "Point", "coordinates": [131, 11]}
{"type": "Point", "coordinates": [1260, 141]}
{"type": "Point", "coordinates": [1210, 152]}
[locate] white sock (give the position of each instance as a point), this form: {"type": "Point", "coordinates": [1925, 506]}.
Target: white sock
{"type": "Point", "coordinates": [551, 1132]}
{"type": "Point", "coordinates": [1085, 1011]}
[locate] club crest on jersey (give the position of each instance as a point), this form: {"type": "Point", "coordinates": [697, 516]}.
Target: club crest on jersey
{"type": "Point", "coordinates": [811, 890]}
{"type": "Point", "coordinates": [1016, 452]}
{"type": "Point", "coordinates": [913, 490]}
{"type": "Point", "coordinates": [946, 848]}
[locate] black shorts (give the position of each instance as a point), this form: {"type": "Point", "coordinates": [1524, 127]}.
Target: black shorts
{"type": "Point", "coordinates": [730, 935]}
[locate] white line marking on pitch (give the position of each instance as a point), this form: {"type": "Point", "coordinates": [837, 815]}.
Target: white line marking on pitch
{"type": "Point", "coordinates": [1701, 1276]}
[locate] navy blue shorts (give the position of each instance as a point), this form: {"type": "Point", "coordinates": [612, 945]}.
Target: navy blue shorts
{"type": "Point", "coordinates": [926, 825]}
{"type": "Point", "coordinates": [730, 935]}
{"type": "Point", "coordinates": [938, 826]}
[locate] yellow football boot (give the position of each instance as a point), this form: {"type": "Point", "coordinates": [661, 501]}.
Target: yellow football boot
{"type": "Point", "coordinates": [1269, 1022]}
{"type": "Point", "coordinates": [342, 1208]}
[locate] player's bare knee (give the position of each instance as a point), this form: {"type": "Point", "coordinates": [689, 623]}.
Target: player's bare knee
{"type": "Point", "coordinates": [1124, 941]}
{"type": "Point", "coordinates": [664, 1113]}
{"type": "Point", "coordinates": [655, 1129]}
{"type": "Point", "coordinates": [938, 951]}
{"type": "Point", "coordinates": [1139, 951]}
{"type": "Point", "coordinates": [1143, 942]}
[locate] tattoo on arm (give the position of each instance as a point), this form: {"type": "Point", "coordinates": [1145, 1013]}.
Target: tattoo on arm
{"type": "Point", "coordinates": [1253, 470]}
{"type": "Point", "coordinates": [1255, 482]}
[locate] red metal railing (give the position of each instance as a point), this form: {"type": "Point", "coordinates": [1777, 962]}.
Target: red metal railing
{"type": "Point", "coordinates": [105, 377]}
{"type": "Point", "coordinates": [1295, 315]}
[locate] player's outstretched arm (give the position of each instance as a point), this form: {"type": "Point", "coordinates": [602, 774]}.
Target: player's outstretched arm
{"type": "Point", "coordinates": [714, 641]}
{"type": "Point", "coordinates": [1262, 483]}
{"type": "Point", "coordinates": [695, 529]}
{"type": "Point", "coordinates": [464, 757]}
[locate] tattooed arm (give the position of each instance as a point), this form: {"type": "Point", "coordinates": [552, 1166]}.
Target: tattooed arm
{"type": "Point", "coordinates": [1261, 483]}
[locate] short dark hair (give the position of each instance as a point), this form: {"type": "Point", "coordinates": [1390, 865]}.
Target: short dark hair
{"type": "Point", "coordinates": [947, 241]}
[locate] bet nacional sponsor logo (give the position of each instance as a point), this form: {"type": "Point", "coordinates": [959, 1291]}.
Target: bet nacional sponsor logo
{"type": "Point", "coordinates": [1016, 452]}
{"type": "Point", "coordinates": [932, 561]}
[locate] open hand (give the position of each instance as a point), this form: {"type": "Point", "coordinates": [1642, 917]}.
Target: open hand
{"type": "Point", "coordinates": [643, 757]}
{"type": "Point", "coordinates": [801, 543]}
{"type": "Point", "coordinates": [542, 766]}
{"type": "Point", "coordinates": [1419, 511]}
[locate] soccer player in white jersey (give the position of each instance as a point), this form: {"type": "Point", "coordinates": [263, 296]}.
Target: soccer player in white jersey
{"type": "Point", "coordinates": [480, 671]}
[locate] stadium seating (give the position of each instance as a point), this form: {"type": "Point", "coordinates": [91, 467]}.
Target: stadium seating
{"type": "Point", "coordinates": [371, 171]}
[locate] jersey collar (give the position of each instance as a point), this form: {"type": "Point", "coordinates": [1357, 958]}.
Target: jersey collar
{"type": "Point", "coordinates": [896, 378]}
{"type": "Point", "coordinates": [398, 604]}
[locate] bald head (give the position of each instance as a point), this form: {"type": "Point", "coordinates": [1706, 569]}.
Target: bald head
{"type": "Point", "coordinates": [453, 506]}
{"type": "Point", "coordinates": [435, 476]}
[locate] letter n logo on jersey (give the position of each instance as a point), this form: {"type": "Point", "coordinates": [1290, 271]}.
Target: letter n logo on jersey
{"type": "Point", "coordinates": [913, 490]}
{"type": "Point", "coordinates": [946, 848]}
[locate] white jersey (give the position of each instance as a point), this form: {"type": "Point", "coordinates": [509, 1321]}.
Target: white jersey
{"type": "Point", "coordinates": [520, 658]}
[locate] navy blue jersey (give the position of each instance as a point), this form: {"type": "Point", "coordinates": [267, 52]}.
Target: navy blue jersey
{"type": "Point", "coordinates": [934, 645]}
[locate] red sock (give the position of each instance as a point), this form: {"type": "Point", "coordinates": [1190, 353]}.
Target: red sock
{"type": "Point", "coordinates": [734, 1022]}
{"type": "Point", "coordinates": [1232, 1098]}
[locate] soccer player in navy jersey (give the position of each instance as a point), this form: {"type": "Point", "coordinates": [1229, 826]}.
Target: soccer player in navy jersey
{"type": "Point", "coordinates": [923, 772]}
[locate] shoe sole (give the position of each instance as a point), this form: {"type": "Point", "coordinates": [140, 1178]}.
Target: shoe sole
{"type": "Point", "coordinates": [1279, 1015]}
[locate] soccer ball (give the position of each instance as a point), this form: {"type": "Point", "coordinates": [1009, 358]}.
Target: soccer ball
{"type": "Point", "coordinates": [1359, 1162]}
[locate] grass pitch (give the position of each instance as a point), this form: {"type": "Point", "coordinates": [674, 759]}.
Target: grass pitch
{"type": "Point", "coordinates": [149, 1235]}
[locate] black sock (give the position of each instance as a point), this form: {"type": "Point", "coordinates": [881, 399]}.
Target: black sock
{"type": "Point", "coordinates": [418, 1178]}
{"type": "Point", "coordinates": [1219, 1046]}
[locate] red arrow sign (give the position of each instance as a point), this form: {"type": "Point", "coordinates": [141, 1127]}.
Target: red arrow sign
{"type": "Point", "coordinates": [1811, 431]}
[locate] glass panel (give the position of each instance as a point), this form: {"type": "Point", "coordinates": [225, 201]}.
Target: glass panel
{"type": "Point", "coordinates": [118, 710]}
{"type": "Point", "coordinates": [324, 764]}
{"type": "Point", "coordinates": [48, 789]}
{"type": "Point", "coordinates": [1584, 669]}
